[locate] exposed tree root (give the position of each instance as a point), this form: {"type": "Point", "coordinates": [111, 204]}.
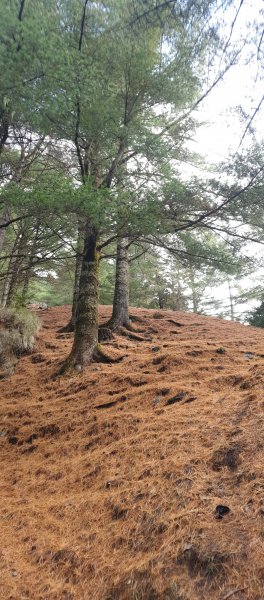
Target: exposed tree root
{"type": "Point", "coordinates": [65, 369]}
{"type": "Point", "coordinates": [69, 328]}
{"type": "Point", "coordinates": [101, 356]}
{"type": "Point", "coordinates": [130, 327]}
{"type": "Point", "coordinates": [176, 323]}
{"type": "Point", "coordinates": [122, 329]}
{"type": "Point", "coordinates": [136, 318]}
{"type": "Point", "coordinates": [105, 333]}
{"type": "Point", "coordinates": [115, 326]}
{"type": "Point", "coordinates": [72, 365]}
{"type": "Point", "coordinates": [132, 335]}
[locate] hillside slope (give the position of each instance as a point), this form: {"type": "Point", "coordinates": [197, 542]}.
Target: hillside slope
{"type": "Point", "coordinates": [110, 479]}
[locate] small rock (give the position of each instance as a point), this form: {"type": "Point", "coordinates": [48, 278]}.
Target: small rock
{"type": "Point", "coordinates": [109, 484]}
{"type": "Point", "coordinates": [221, 510]}
{"type": "Point", "coordinates": [187, 547]}
{"type": "Point", "coordinates": [220, 351]}
{"type": "Point", "coordinates": [14, 573]}
{"type": "Point", "coordinates": [248, 355]}
{"type": "Point", "coordinates": [2, 433]}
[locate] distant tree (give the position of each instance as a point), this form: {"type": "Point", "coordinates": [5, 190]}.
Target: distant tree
{"type": "Point", "coordinates": [257, 316]}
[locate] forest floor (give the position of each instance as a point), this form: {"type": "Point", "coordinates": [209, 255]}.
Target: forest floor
{"type": "Point", "coordinates": [110, 478]}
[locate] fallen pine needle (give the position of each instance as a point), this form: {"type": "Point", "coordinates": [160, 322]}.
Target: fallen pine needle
{"type": "Point", "coordinates": [232, 592]}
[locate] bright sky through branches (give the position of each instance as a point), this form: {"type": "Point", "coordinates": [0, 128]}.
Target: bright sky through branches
{"type": "Point", "coordinates": [241, 87]}
{"type": "Point", "coordinates": [226, 115]}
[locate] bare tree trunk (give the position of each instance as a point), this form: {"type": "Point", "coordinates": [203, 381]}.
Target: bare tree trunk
{"type": "Point", "coordinates": [11, 265]}
{"type": "Point", "coordinates": [232, 309]}
{"type": "Point", "coordinates": [17, 264]}
{"type": "Point", "coordinates": [194, 301]}
{"type": "Point", "coordinates": [4, 220]}
{"type": "Point", "coordinates": [29, 264]}
{"type": "Point", "coordinates": [120, 314]}
{"type": "Point", "coordinates": [86, 326]}
{"type": "Point", "coordinates": [26, 282]}
{"type": "Point", "coordinates": [6, 286]}
{"type": "Point", "coordinates": [161, 299]}
{"type": "Point", "coordinates": [194, 291]}
{"type": "Point", "coordinates": [78, 267]}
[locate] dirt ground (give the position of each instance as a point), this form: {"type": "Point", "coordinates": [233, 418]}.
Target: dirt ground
{"type": "Point", "coordinates": [111, 479]}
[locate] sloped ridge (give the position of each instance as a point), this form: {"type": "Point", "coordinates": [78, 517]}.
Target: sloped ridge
{"type": "Point", "coordinates": [141, 479]}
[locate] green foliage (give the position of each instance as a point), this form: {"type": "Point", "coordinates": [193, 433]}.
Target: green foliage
{"type": "Point", "coordinates": [54, 292]}
{"type": "Point", "coordinates": [257, 316]}
{"type": "Point", "coordinates": [111, 86]}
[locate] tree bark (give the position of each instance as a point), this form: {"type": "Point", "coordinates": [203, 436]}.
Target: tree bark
{"type": "Point", "coordinates": [11, 270]}
{"type": "Point", "coordinates": [78, 267]}
{"type": "Point", "coordinates": [194, 292]}
{"type": "Point", "coordinates": [29, 265]}
{"type": "Point", "coordinates": [4, 220]}
{"type": "Point", "coordinates": [232, 309]}
{"type": "Point", "coordinates": [17, 264]}
{"type": "Point", "coordinates": [161, 299]}
{"type": "Point", "coordinates": [86, 326]}
{"type": "Point", "coordinates": [120, 314]}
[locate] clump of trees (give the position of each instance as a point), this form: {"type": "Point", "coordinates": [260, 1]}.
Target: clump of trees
{"type": "Point", "coordinates": [93, 132]}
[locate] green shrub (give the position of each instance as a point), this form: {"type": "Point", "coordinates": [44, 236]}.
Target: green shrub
{"type": "Point", "coordinates": [18, 330]}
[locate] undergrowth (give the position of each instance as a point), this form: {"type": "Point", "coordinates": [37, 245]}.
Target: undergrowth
{"type": "Point", "coordinates": [18, 330]}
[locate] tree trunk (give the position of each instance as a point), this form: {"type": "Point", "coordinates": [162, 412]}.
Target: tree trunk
{"type": "Point", "coordinates": [29, 266]}
{"type": "Point", "coordinates": [161, 299]}
{"type": "Point", "coordinates": [120, 314]}
{"type": "Point", "coordinates": [86, 326]}
{"type": "Point", "coordinates": [17, 265]}
{"type": "Point", "coordinates": [78, 267]}
{"type": "Point", "coordinates": [232, 309]}
{"type": "Point", "coordinates": [4, 220]}
{"type": "Point", "coordinates": [10, 270]}
{"type": "Point", "coordinates": [195, 301]}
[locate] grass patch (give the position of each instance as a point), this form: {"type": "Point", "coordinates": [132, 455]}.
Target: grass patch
{"type": "Point", "coordinates": [18, 330]}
